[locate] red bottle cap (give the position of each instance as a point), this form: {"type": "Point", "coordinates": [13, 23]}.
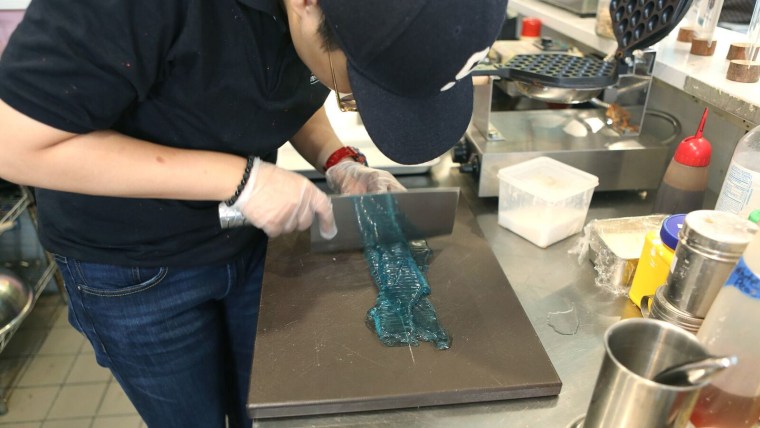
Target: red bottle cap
{"type": "Point", "coordinates": [695, 150]}
{"type": "Point", "coordinates": [531, 27]}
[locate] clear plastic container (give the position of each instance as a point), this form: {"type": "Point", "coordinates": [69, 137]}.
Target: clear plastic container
{"type": "Point", "coordinates": [740, 193]}
{"type": "Point", "coordinates": [544, 200]}
{"type": "Point", "coordinates": [731, 328]}
{"type": "Point", "coordinates": [706, 19]}
{"type": "Point", "coordinates": [688, 23]}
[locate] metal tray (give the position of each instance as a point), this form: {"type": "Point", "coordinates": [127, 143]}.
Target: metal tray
{"type": "Point", "coordinates": [614, 248]}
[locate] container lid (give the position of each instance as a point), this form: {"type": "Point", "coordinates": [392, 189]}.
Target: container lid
{"type": "Point", "coordinates": [754, 216]}
{"type": "Point", "coordinates": [718, 231]}
{"type": "Point", "coordinates": [548, 179]}
{"type": "Point", "coordinates": [531, 27]}
{"type": "Point", "coordinates": [670, 228]}
{"type": "Point", "coordinates": [696, 149]}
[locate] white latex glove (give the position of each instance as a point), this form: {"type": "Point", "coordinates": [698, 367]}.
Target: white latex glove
{"type": "Point", "coordinates": [354, 178]}
{"type": "Point", "coordinates": [279, 201]}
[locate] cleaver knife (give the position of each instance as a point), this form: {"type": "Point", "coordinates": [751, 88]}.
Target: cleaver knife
{"type": "Point", "coordinates": [423, 213]}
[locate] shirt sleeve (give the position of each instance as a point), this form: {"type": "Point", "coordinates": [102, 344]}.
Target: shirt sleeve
{"type": "Point", "coordinates": [78, 65]}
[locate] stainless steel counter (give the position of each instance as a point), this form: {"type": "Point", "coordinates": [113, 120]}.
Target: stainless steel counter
{"type": "Point", "coordinates": [556, 292]}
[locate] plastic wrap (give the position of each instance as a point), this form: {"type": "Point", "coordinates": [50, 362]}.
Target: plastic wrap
{"type": "Point", "coordinates": [402, 314]}
{"type": "Point", "coordinates": [614, 246]}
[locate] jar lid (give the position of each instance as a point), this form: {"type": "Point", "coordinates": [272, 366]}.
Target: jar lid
{"type": "Point", "coordinates": [531, 27]}
{"type": "Point", "coordinates": [754, 216]}
{"type": "Point", "coordinates": [718, 232]}
{"type": "Point", "coordinates": [670, 228]}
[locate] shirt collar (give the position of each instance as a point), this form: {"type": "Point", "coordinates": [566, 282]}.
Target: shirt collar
{"type": "Point", "coordinates": [271, 7]}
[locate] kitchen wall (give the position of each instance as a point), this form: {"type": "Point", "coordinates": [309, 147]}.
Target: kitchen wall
{"type": "Point", "coordinates": [722, 129]}
{"type": "Point", "coordinates": [8, 21]}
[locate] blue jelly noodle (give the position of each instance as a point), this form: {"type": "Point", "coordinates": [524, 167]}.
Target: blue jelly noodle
{"type": "Point", "coordinates": [740, 193]}
{"type": "Point", "coordinates": [683, 186]}
{"type": "Point", "coordinates": [402, 314]}
{"type": "Point", "coordinates": [731, 328]}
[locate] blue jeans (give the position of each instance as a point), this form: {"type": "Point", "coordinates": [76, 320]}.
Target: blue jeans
{"type": "Point", "coordinates": [178, 340]}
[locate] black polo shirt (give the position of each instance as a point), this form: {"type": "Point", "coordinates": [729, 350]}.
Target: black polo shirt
{"type": "Point", "coordinates": [219, 75]}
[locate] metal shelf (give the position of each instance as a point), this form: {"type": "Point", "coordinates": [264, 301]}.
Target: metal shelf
{"type": "Point", "coordinates": [37, 273]}
{"type": "Point", "coordinates": [21, 253]}
{"type": "Point", "coordinates": [11, 207]}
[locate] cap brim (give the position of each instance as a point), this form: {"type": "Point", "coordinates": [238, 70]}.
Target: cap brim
{"type": "Point", "coordinates": [412, 130]}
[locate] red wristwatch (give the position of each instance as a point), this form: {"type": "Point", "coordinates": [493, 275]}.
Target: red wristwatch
{"type": "Point", "coordinates": [345, 152]}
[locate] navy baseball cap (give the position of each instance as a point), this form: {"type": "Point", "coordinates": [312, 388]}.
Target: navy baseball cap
{"type": "Point", "coordinates": [407, 60]}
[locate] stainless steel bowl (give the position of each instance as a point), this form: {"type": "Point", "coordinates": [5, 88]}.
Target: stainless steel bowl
{"type": "Point", "coordinates": [556, 95]}
{"type": "Point", "coordinates": [16, 300]}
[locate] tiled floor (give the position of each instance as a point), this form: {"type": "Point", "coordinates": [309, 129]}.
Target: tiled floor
{"type": "Point", "coordinates": [58, 384]}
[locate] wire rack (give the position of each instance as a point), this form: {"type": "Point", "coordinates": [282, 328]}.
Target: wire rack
{"type": "Point", "coordinates": [12, 204]}
{"type": "Point", "coordinates": [21, 254]}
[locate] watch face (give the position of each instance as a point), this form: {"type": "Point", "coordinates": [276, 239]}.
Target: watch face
{"type": "Point", "coordinates": [359, 156]}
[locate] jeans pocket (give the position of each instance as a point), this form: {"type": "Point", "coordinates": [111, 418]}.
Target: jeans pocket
{"type": "Point", "coordinates": [115, 281]}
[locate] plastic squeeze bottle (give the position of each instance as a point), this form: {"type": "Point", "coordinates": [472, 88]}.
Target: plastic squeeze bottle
{"type": "Point", "coordinates": [731, 328]}
{"type": "Point", "coordinates": [655, 259]}
{"type": "Point", "coordinates": [740, 193]}
{"type": "Point", "coordinates": [683, 186]}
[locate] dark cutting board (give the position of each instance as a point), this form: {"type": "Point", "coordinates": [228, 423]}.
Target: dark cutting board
{"type": "Point", "coordinates": [315, 355]}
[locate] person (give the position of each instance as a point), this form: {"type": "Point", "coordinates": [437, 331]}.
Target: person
{"type": "Point", "coordinates": [134, 120]}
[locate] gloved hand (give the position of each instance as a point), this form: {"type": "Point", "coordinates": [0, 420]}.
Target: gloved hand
{"type": "Point", "coordinates": [279, 201]}
{"type": "Point", "coordinates": [354, 178]}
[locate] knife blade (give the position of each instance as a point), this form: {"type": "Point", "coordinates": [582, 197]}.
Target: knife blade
{"type": "Point", "coordinates": [419, 213]}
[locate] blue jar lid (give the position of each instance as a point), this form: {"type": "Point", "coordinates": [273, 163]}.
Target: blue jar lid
{"type": "Point", "coordinates": [670, 228]}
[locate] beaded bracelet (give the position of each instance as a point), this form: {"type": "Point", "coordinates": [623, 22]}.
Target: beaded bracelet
{"type": "Point", "coordinates": [246, 175]}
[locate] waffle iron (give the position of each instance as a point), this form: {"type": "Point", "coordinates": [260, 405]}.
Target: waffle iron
{"type": "Point", "coordinates": [637, 24]}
